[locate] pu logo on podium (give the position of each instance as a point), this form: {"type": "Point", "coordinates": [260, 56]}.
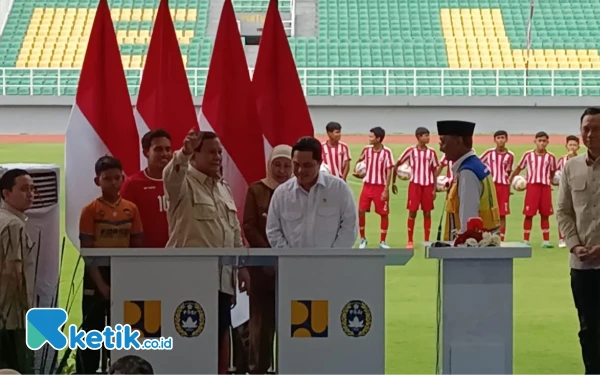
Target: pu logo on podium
{"type": "Point", "coordinates": [356, 319]}
{"type": "Point", "coordinates": [144, 316]}
{"type": "Point", "coordinates": [310, 318]}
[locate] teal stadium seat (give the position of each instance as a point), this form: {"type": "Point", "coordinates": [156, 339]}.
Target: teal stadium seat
{"type": "Point", "coordinates": [360, 47]}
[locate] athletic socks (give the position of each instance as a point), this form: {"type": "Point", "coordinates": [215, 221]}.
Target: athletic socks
{"type": "Point", "coordinates": [527, 224]}
{"type": "Point", "coordinates": [361, 224]}
{"type": "Point", "coordinates": [411, 229]}
{"type": "Point", "coordinates": [502, 233]}
{"type": "Point", "coordinates": [427, 227]}
{"type": "Point", "coordinates": [545, 224]}
{"type": "Point", "coordinates": [362, 219]}
{"type": "Point", "coordinates": [385, 222]}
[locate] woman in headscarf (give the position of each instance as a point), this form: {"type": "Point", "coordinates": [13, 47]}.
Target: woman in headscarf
{"type": "Point", "coordinates": [261, 288]}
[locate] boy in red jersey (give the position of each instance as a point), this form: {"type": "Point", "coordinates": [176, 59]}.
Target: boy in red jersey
{"type": "Point", "coordinates": [500, 162]}
{"type": "Point", "coordinates": [146, 190]}
{"type": "Point", "coordinates": [423, 162]}
{"type": "Point", "coordinates": [541, 166]}
{"type": "Point", "coordinates": [376, 184]}
{"type": "Point", "coordinates": [445, 163]}
{"type": "Point", "coordinates": [107, 222]}
{"type": "Point", "coordinates": [336, 154]}
{"type": "Point", "coordinates": [572, 146]}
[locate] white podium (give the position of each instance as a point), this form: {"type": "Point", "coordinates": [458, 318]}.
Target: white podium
{"type": "Point", "coordinates": [330, 304]}
{"type": "Point", "coordinates": [477, 307]}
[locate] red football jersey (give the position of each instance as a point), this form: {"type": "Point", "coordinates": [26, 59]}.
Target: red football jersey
{"type": "Point", "coordinates": [148, 194]}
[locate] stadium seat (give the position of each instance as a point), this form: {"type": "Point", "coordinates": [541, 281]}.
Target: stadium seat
{"type": "Point", "coordinates": [54, 33]}
{"type": "Point", "coordinates": [444, 47]}
{"type": "Point", "coordinates": [480, 34]}
{"type": "Point", "coordinates": [259, 6]}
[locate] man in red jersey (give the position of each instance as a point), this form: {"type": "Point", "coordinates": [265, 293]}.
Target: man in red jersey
{"type": "Point", "coordinates": [423, 162]}
{"type": "Point", "coordinates": [376, 188]}
{"type": "Point", "coordinates": [500, 162]}
{"type": "Point", "coordinates": [572, 146]}
{"type": "Point", "coordinates": [336, 154]}
{"type": "Point", "coordinates": [541, 166]}
{"type": "Point", "coordinates": [147, 191]}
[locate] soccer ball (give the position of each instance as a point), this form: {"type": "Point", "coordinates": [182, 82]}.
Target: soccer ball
{"type": "Point", "coordinates": [556, 178]}
{"type": "Point", "coordinates": [519, 183]}
{"type": "Point", "coordinates": [325, 168]}
{"type": "Point", "coordinates": [404, 172]}
{"type": "Point", "coordinates": [443, 183]}
{"type": "Point", "coordinates": [361, 169]}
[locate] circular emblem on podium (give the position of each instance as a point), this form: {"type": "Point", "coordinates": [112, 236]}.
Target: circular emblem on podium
{"type": "Point", "coordinates": [189, 319]}
{"type": "Point", "coordinates": [356, 319]}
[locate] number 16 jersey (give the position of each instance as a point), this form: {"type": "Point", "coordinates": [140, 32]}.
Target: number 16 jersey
{"type": "Point", "coordinates": [148, 194]}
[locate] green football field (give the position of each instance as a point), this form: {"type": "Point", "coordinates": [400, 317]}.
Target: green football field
{"type": "Point", "coordinates": [545, 319]}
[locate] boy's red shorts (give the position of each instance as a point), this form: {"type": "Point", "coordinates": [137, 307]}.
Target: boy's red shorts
{"type": "Point", "coordinates": [538, 198]}
{"type": "Point", "coordinates": [503, 196]}
{"type": "Point", "coordinates": [372, 193]}
{"type": "Point", "coordinates": [420, 196]}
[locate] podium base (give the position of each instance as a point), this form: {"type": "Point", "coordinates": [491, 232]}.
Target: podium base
{"type": "Point", "coordinates": [477, 308]}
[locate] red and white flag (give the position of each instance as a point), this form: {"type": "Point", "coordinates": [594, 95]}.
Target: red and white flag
{"type": "Point", "coordinates": [229, 110]}
{"type": "Point", "coordinates": [101, 122]}
{"type": "Point", "coordinates": [281, 104]}
{"type": "Point", "coordinates": [165, 100]}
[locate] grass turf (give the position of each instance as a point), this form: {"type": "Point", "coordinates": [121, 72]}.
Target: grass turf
{"type": "Point", "coordinates": [545, 332]}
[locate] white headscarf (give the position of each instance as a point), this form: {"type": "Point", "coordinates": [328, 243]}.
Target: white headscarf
{"type": "Point", "coordinates": [280, 151]}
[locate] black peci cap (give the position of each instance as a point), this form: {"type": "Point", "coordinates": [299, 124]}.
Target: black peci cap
{"type": "Point", "coordinates": [456, 128]}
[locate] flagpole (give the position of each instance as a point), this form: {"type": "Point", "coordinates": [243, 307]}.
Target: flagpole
{"type": "Point", "coordinates": [528, 51]}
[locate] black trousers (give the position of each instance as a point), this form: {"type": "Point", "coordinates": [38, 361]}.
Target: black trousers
{"type": "Point", "coordinates": [14, 353]}
{"type": "Point", "coordinates": [96, 315]}
{"type": "Point", "coordinates": [239, 344]}
{"type": "Point", "coordinates": [585, 285]}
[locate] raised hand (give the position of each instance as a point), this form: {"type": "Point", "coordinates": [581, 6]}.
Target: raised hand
{"type": "Point", "coordinates": [191, 142]}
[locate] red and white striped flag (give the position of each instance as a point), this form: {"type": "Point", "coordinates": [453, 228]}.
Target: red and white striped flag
{"type": "Point", "coordinates": [165, 100]}
{"type": "Point", "coordinates": [101, 122]}
{"type": "Point", "coordinates": [229, 110]}
{"type": "Point", "coordinates": [281, 104]}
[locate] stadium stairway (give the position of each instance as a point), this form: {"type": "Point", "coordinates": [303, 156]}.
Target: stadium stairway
{"type": "Point", "coordinates": [214, 14]}
{"type": "Point", "coordinates": [306, 18]}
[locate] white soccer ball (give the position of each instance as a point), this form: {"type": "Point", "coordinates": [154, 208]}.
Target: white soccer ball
{"type": "Point", "coordinates": [361, 169]}
{"type": "Point", "coordinates": [325, 168]}
{"type": "Point", "coordinates": [556, 178]}
{"type": "Point", "coordinates": [443, 183]}
{"type": "Point", "coordinates": [404, 172]}
{"type": "Point", "coordinates": [519, 183]}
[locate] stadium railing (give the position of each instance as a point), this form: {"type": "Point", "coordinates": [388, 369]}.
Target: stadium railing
{"type": "Point", "coordinates": [351, 81]}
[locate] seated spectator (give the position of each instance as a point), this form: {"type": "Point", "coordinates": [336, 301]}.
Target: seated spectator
{"type": "Point", "coordinates": [131, 364]}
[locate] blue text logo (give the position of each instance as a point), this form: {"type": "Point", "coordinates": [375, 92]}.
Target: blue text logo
{"type": "Point", "coordinates": [44, 325]}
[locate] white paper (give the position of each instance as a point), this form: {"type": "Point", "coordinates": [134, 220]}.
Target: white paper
{"type": "Point", "coordinates": [240, 313]}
